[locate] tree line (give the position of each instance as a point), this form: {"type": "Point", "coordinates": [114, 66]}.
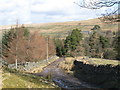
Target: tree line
{"type": "Point", "coordinates": [98, 44]}
{"type": "Point", "coordinates": [21, 45]}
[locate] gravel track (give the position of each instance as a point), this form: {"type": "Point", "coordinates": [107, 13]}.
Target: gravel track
{"type": "Point", "coordinates": [61, 78]}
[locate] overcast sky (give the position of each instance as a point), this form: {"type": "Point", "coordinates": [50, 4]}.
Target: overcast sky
{"type": "Point", "coordinates": [42, 11]}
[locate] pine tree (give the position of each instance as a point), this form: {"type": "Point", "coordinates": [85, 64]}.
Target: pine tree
{"type": "Point", "coordinates": [104, 43]}
{"type": "Point", "coordinates": [72, 42]}
{"type": "Point", "coordinates": [94, 44]}
{"type": "Point", "coordinates": [117, 47]}
{"type": "Point", "coordinates": [60, 50]}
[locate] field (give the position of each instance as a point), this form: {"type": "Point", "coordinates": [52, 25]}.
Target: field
{"type": "Point", "coordinates": [99, 61]}
{"type": "Point", "coordinates": [68, 63]}
{"type": "Point", "coordinates": [63, 28]}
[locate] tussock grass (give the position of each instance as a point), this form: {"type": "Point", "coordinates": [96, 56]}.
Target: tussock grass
{"type": "Point", "coordinates": [67, 64]}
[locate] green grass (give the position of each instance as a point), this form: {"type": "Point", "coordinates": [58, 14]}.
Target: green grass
{"type": "Point", "coordinates": [55, 30]}
{"type": "Point", "coordinates": [61, 29]}
{"type": "Point", "coordinates": [16, 79]}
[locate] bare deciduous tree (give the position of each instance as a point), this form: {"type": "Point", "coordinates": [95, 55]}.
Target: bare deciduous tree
{"type": "Point", "coordinates": [51, 47]}
{"type": "Point", "coordinates": [16, 47]}
{"type": "Point", "coordinates": [31, 48]}
{"type": "Point", "coordinates": [111, 16]}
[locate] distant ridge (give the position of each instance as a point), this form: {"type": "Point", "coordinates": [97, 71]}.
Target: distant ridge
{"type": "Point", "coordinates": [59, 28]}
{"type": "Point", "coordinates": [55, 23]}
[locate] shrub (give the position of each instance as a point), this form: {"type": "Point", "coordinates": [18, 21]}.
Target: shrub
{"type": "Point", "coordinates": [110, 54]}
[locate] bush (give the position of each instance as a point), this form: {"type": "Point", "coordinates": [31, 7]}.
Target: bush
{"type": "Point", "coordinates": [110, 54]}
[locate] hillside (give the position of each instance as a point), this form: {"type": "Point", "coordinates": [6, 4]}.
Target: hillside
{"type": "Point", "coordinates": [24, 80]}
{"type": "Point", "coordinates": [62, 28]}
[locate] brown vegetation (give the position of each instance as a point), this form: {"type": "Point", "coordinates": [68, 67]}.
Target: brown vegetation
{"type": "Point", "coordinates": [27, 48]}
{"type": "Point", "coordinates": [67, 64]}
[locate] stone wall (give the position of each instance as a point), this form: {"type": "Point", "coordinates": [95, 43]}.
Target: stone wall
{"type": "Point", "coordinates": [101, 75]}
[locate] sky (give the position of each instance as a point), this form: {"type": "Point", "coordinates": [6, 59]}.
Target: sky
{"type": "Point", "coordinates": [43, 11]}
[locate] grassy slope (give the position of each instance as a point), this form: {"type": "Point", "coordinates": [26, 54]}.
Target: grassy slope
{"type": "Point", "coordinates": [14, 79]}
{"type": "Point", "coordinates": [62, 28]}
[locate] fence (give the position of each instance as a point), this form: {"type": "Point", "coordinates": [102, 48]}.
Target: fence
{"type": "Point", "coordinates": [30, 65]}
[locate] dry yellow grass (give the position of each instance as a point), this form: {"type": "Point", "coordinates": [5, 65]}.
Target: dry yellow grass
{"type": "Point", "coordinates": [61, 29]}
{"type": "Point", "coordinates": [63, 26]}
{"type": "Point", "coordinates": [67, 64]}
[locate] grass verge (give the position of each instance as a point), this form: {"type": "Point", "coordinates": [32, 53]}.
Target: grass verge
{"type": "Point", "coordinates": [16, 79]}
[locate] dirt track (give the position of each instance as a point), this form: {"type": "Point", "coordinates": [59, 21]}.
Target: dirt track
{"type": "Point", "coordinates": [60, 77]}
